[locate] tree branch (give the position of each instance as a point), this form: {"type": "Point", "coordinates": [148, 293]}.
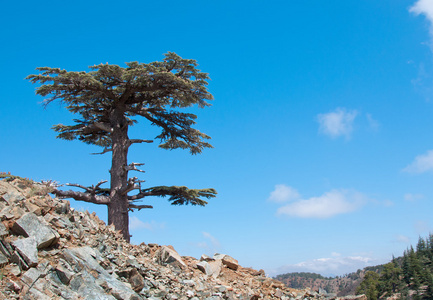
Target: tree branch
{"type": "Point", "coordinates": [103, 152]}
{"type": "Point", "coordinates": [104, 127]}
{"type": "Point", "coordinates": [179, 195]}
{"type": "Point", "coordinates": [133, 183]}
{"type": "Point", "coordinates": [80, 196]}
{"type": "Point", "coordinates": [93, 194]}
{"type": "Point", "coordinates": [97, 126]}
{"type": "Point", "coordinates": [138, 141]}
{"type": "Point", "coordinates": [133, 167]}
{"type": "Point", "coordinates": [131, 207]}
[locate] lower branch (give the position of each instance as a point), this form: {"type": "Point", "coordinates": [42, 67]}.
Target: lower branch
{"type": "Point", "coordinates": [179, 195]}
{"type": "Point", "coordinates": [92, 194]}
{"type": "Point", "coordinates": [131, 207]}
{"type": "Point", "coordinates": [103, 152]}
{"type": "Point", "coordinates": [82, 196]}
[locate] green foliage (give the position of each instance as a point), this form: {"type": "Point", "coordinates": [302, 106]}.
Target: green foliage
{"type": "Point", "coordinates": [180, 195]}
{"type": "Point", "coordinates": [369, 286]}
{"type": "Point", "coordinates": [150, 90]}
{"type": "Point", "coordinates": [411, 274]}
{"type": "Point", "coordinates": [306, 275]}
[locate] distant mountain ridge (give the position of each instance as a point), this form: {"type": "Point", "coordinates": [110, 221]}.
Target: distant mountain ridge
{"type": "Point", "coordinates": [340, 285]}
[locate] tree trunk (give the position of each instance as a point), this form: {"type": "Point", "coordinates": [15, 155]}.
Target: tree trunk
{"type": "Point", "coordinates": [118, 206]}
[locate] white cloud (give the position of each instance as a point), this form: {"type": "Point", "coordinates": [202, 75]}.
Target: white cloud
{"type": "Point", "coordinates": [422, 163]}
{"type": "Point", "coordinates": [136, 224]}
{"type": "Point", "coordinates": [374, 125]}
{"type": "Point", "coordinates": [327, 205]}
{"type": "Point", "coordinates": [211, 246]}
{"type": "Point", "coordinates": [214, 241]}
{"type": "Point", "coordinates": [332, 266]}
{"type": "Point", "coordinates": [388, 203]}
{"type": "Point", "coordinates": [337, 123]}
{"type": "Point", "coordinates": [424, 7]}
{"type": "Point", "coordinates": [283, 193]}
{"type": "Point", "coordinates": [413, 197]}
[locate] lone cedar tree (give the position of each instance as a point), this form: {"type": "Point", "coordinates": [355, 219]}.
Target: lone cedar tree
{"type": "Point", "coordinates": [109, 99]}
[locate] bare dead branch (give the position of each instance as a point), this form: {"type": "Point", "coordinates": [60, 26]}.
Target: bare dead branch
{"type": "Point", "coordinates": [103, 152]}
{"type": "Point", "coordinates": [139, 141]}
{"type": "Point", "coordinates": [131, 207]}
{"type": "Point", "coordinates": [133, 167]}
{"type": "Point", "coordinates": [80, 196]}
{"type": "Point", "coordinates": [132, 185]}
{"type": "Point", "coordinates": [87, 189]}
{"type": "Point", "coordinates": [100, 183]}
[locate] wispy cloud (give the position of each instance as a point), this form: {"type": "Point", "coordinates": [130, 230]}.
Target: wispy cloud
{"type": "Point", "coordinates": [330, 266]}
{"type": "Point", "coordinates": [211, 245]}
{"type": "Point", "coordinates": [283, 193]}
{"type": "Point", "coordinates": [424, 7]}
{"type": "Point", "coordinates": [413, 197]}
{"type": "Point", "coordinates": [373, 124]}
{"type": "Point", "coordinates": [136, 224]}
{"type": "Point", "coordinates": [422, 163]}
{"type": "Point", "coordinates": [330, 204]}
{"type": "Point", "coordinates": [423, 82]}
{"type": "Point", "coordinates": [337, 123]}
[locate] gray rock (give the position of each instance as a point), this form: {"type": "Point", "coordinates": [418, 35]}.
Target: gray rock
{"type": "Point", "coordinates": [84, 261]}
{"type": "Point", "coordinates": [3, 230]}
{"type": "Point", "coordinates": [212, 268]}
{"type": "Point", "coordinates": [30, 225]}
{"type": "Point", "coordinates": [136, 280]}
{"type": "Point", "coordinates": [166, 255]}
{"type": "Point", "coordinates": [5, 248]}
{"type": "Point", "coordinates": [3, 260]}
{"type": "Point", "coordinates": [63, 207]}
{"type": "Point", "coordinates": [227, 260]}
{"type": "Point", "coordinates": [189, 282]}
{"type": "Point", "coordinates": [6, 214]}
{"type": "Point", "coordinates": [31, 276]}
{"type": "Point", "coordinates": [64, 272]}
{"type": "Point", "coordinates": [12, 196]}
{"type": "Point", "coordinates": [27, 250]}
{"type": "Point", "coordinates": [205, 257]}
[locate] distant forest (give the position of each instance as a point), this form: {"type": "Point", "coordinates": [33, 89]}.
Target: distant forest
{"type": "Point", "coordinates": [408, 277]}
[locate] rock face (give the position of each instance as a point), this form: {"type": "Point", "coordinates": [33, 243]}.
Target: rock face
{"type": "Point", "coordinates": [51, 251]}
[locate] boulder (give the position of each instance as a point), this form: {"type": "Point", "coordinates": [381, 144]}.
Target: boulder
{"type": "Point", "coordinates": [167, 256]}
{"type": "Point", "coordinates": [30, 225]}
{"type": "Point", "coordinates": [136, 280]}
{"type": "Point", "coordinates": [3, 260]}
{"type": "Point", "coordinates": [227, 260]}
{"type": "Point", "coordinates": [3, 230]}
{"type": "Point", "coordinates": [27, 250]}
{"type": "Point", "coordinates": [211, 268]}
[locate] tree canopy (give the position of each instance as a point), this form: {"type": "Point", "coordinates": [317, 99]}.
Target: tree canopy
{"type": "Point", "coordinates": [108, 100]}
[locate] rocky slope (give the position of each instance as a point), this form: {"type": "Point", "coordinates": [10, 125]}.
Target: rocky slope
{"type": "Point", "coordinates": [341, 286]}
{"type": "Point", "coordinates": [48, 250]}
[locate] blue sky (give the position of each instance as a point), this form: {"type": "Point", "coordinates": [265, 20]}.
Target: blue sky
{"type": "Point", "coordinates": [322, 122]}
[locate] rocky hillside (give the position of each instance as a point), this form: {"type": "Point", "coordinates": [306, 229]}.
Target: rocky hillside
{"type": "Point", "coordinates": [340, 286]}
{"type": "Point", "coordinates": [48, 250]}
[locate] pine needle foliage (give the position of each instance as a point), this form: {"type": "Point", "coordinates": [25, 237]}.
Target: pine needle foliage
{"type": "Point", "coordinates": [149, 90]}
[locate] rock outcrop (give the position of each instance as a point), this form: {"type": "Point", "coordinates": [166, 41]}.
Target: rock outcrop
{"type": "Point", "coordinates": [49, 250]}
